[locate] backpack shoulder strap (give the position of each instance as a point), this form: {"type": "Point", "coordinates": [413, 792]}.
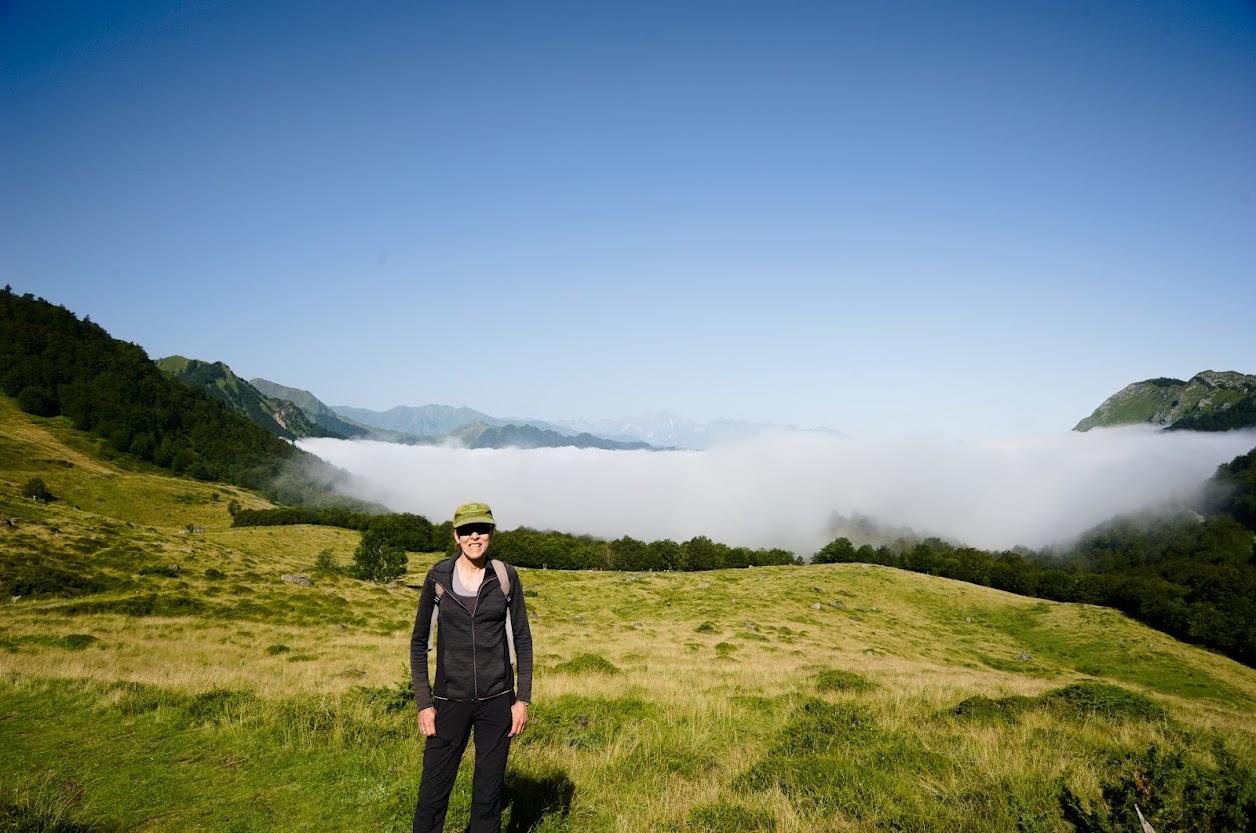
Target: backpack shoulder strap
{"type": "Point", "coordinates": [503, 579]}
{"type": "Point", "coordinates": [431, 631]}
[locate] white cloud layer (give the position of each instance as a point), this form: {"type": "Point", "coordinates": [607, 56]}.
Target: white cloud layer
{"type": "Point", "coordinates": [784, 489]}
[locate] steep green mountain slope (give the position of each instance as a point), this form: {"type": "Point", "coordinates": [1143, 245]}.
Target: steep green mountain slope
{"type": "Point", "coordinates": [278, 416]}
{"type": "Point", "coordinates": [158, 673]}
{"type": "Point", "coordinates": [321, 415]}
{"type": "Point", "coordinates": [1210, 401]}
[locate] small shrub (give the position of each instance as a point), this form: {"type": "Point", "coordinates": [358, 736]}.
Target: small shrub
{"type": "Point", "coordinates": [1004, 709]}
{"type": "Point", "coordinates": [1103, 700]}
{"type": "Point", "coordinates": [1173, 792]}
{"type": "Point", "coordinates": [582, 722]}
{"type": "Point", "coordinates": [215, 575]}
{"type": "Point", "coordinates": [277, 649]}
{"type": "Point", "coordinates": [165, 570]}
{"type": "Point", "coordinates": [378, 559]}
{"type": "Point", "coordinates": [724, 649]}
{"type": "Point", "coordinates": [389, 699]}
{"type": "Point", "coordinates": [145, 604]}
{"type": "Point", "coordinates": [48, 813]}
{"type": "Point", "coordinates": [325, 562]}
{"type": "Point", "coordinates": [36, 489]}
{"type": "Point", "coordinates": [1084, 699]}
{"type": "Point", "coordinates": [139, 698]}
{"type": "Point", "coordinates": [587, 664]}
{"type": "Point", "coordinates": [818, 726]}
{"type": "Point", "coordinates": [216, 706]}
{"type": "Point", "coordinates": [833, 756]}
{"type": "Point", "coordinates": [706, 627]}
{"type": "Point", "coordinates": [728, 818]}
{"type": "Point", "coordinates": [835, 679]}
{"type": "Point", "coordinates": [79, 641]}
{"type": "Point", "coordinates": [44, 577]}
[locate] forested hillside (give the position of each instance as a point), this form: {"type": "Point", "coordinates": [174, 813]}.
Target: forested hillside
{"type": "Point", "coordinates": [54, 363]}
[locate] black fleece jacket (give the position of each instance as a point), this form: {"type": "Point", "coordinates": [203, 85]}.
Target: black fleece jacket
{"type": "Point", "coordinates": [472, 654]}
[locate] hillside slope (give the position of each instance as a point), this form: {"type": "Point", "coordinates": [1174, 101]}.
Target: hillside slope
{"type": "Point", "coordinates": [159, 679]}
{"type": "Point", "coordinates": [278, 416]}
{"type": "Point", "coordinates": [1210, 401]}
{"type": "Point", "coordinates": [321, 415]}
{"type": "Point", "coordinates": [54, 363]}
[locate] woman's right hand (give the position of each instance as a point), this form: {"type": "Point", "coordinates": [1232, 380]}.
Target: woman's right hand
{"type": "Point", "coordinates": [427, 721]}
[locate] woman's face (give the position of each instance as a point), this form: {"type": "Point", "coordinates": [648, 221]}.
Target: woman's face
{"type": "Point", "coordinates": [473, 539]}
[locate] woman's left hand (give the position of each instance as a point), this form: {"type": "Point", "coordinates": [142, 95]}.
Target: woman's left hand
{"type": "Point", "coordinates": [518, 718]}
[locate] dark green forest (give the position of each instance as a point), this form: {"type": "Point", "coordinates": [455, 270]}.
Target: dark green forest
{"type": "Point", "coordinates": [54, 364]}
{"type": "Point", "coordinates": [414, 533]}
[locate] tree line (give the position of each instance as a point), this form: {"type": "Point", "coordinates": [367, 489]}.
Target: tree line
{"type": "Point", "coordinates": [1190, 576]}
{"type": "Point", "coordinates": [413, 533]}
{"type": "Point", "coordinates": [523, 547]}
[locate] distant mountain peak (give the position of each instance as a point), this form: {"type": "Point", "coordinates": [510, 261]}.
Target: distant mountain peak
{"type": "Point", "coordinates": [1211, 400]}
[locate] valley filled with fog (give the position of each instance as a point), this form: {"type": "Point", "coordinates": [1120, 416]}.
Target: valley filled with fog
{"type": "Point", "coordinates": [792, 490]}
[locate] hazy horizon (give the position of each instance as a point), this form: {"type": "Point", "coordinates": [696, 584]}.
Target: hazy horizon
{"type": "Point", "coordinates": [786, 489]}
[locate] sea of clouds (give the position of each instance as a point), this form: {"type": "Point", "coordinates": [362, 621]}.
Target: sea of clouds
{"type": "Point", "coordinates": [788, 489]}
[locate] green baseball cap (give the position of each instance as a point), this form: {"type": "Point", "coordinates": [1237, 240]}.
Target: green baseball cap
{"type": "Point", "coordinates": [473, 513]}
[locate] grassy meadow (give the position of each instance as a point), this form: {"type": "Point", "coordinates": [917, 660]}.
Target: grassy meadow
{"type": "Point", "coordinates": [157, 673]}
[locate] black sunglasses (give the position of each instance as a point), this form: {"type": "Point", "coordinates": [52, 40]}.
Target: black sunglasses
{"type": "Point", "coordinates": [471, 529]}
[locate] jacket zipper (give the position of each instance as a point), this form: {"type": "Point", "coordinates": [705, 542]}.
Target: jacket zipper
{"type": "Point", "coordinates": [475, 671]}
{"type": "Point", "coordinates": [475, 675]}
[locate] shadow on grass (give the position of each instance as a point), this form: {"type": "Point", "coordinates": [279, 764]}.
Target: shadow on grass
{"type": "Point", "coordinates": [534, 799]}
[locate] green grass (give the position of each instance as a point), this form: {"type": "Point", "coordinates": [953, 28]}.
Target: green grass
{"type": "Point", "coordinates": [159, 680]}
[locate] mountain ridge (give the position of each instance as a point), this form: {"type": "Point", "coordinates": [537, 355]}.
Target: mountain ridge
{"type": "Point", "coordinates": [280, 417]}
{"type": "Point", "coordinates": [1209, 401]}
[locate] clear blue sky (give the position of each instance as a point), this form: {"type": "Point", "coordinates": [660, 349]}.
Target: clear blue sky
{"type": "Point", "coordinates": [975, 218]}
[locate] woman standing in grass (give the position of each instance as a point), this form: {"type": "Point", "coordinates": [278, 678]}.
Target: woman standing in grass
{"type": "Point", "coordinates": [474, 607]}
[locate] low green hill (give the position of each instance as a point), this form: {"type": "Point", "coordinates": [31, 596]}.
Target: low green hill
{"type": "Point", "coordinates": [158, 672]}
{"type": "Point", "coordinates": [1210, 401]}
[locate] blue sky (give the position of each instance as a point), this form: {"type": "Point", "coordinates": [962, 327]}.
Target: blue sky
{"type": "Point", "coordinates": [883, 218]}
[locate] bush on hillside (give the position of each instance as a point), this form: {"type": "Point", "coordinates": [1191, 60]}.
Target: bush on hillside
{"type": "Point", "coordinates": [36, 489]}
{"type": "Point", "coordinates": [377, 558]}
{"type": "Point", "coordinates": [1174, 791]}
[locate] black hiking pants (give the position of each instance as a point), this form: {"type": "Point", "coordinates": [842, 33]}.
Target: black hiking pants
{"type": "Point", "coordinates": [491, 720]}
